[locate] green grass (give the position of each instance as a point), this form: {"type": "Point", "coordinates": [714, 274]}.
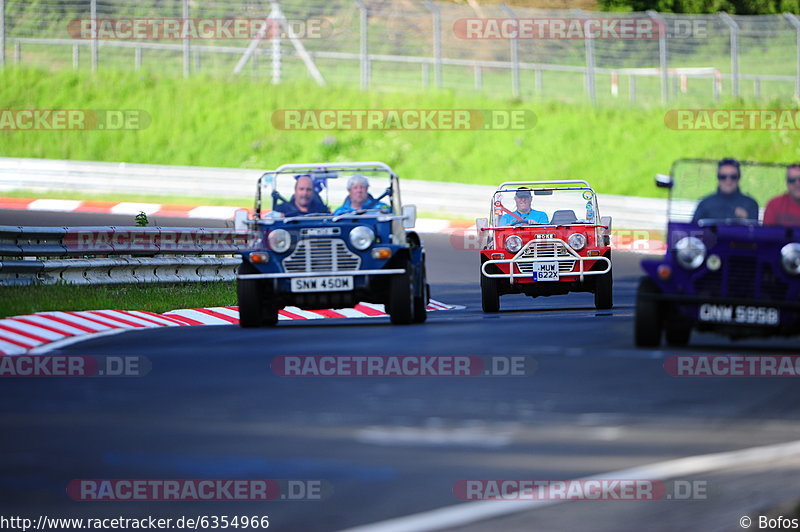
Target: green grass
{"type": "Point", "coordinates": [18, 300]}
{"type": "Point", "coordinates": [209, 121]}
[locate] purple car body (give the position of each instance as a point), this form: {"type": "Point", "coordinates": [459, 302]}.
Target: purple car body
{"type": "Point", "coordinates": [741, 285]}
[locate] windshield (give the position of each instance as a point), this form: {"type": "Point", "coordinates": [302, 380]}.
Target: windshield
{"type": "Point", "coordinates": [310, 192]}
{"type": "Point", "coordinates": [704, 194]}
{"type": "Point", "coordinates": [534, 205]}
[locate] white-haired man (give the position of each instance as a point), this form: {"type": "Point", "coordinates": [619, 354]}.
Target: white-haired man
{"type": "Point", "coordinates": [358, 196]}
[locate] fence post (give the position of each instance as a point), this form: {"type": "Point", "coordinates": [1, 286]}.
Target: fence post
{"type": "Point", "coordinates": [437, 42]}
{"type": "Point", "coordinates": [275, 49]}
{"type": "Point", "coordinates": [76, 55]}
{"type": "Point", "coordinates": [94, 43]}
{"type": "Point", "coordinates": [632, 88]}
{"type": "Point", "coordinates": [589, 45]}
{"type": "Point", "coordinates": [187, 58]}
{"type": "Point", "coordinates": [662, 53]}
{"type": "Point", "coordinates": [137, 58]}
{"type": "Point", "coordinates": [17, 52]}
{"type": "Point", "coordinates": [734, 28]}
{"type": "Point", "coordinates": [363, 17]}
{"type": "Point", "coordinates": [796, 23]}
{"type": "Point", "coordinates": [514, 43]}
{"type": "Point", "coordinates": [2, 33]}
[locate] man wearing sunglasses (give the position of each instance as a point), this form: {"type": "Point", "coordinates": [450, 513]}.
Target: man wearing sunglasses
{"type": "Point", "coordinates": [728, 202]}
{"type": "Point", "coordinates": [785, 209]}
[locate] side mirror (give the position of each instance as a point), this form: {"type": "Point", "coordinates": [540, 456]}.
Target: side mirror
{"type": "Point", "coordinates": [606, 220]}
{"type": "Point", "coordinates": [481, 224]}
{"type": "Point", "coordinates": [409, 216]}
{"type": "Point", "coordinates": [663, 181]}
{"type": "Point", "coordinates": [240, 220]}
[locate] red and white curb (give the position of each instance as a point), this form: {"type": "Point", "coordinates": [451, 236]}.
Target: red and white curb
{"type": "Point", "coordinates": [22, 334]}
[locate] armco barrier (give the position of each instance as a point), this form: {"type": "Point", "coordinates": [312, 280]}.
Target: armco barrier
{"type": "Point", "coordinates": [110, 255]}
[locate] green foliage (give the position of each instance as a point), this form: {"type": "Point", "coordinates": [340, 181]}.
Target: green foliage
{"type": "Point", "coordinates": [141, 220]}
{"type": "Point", "coordinates": [739, 7]}
{"type": "Point", "coordinates": [207, 121]}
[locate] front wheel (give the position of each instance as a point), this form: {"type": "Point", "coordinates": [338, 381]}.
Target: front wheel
{"type": "Point", "coordinates": [248, 293]}
{"type": "Point", "coordinates": [604, 291]}
{"type": "Point", "coordinates": [401, 299]}
{"type": "Point", "coordinates": [490, 294]}
{"type": "Point", "coordinates": [647, 323]}
{"type": "Point", "coordinates": [677, 333]}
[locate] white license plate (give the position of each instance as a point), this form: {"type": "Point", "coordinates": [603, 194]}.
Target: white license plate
{"type": "Point", "coordinates": [545, 271]}
{"type": "Point", "coordinates": [322, 284]}
{"type": "Point", "coordinates": [739, 314]}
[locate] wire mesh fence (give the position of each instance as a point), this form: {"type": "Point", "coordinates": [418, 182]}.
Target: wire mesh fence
{"type": "Point", "coordinates": [500, 50]}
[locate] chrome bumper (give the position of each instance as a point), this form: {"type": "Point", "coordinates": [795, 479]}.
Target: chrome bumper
{"type": "Point", "coordinates": [567, 255]}
{"type": "Point", "coordinates": [319, 274]}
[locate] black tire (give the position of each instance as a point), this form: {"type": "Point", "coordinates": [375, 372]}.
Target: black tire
{"type": "Point", "coordinates": [401, 299]}
{"type": "Point", "coordinates": [249, 294]}
{"type": "Point", "coordinates": [421, 302]}
{"type": "Point", "coordinates": [648, 321]}
{"type": "Point", "coordinates": [490, 294]}
{"type": "Point", "coordinates": [604, 291]}
{"type": "Point", "coordinates": [254, 310]}
{"type": "Point", "coordinates": [677, 334]}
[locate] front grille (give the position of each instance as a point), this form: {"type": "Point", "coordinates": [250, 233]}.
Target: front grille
{"type": "Point", "coordinates": [743, 277]}
{"type": "Point", "coordinates": [546, 250]}
{"type": "Point", "coordinates": [321, 255]}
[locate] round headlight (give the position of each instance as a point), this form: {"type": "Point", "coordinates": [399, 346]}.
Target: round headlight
{"type": "Point", "coordinates": [513, 243]}
{"type": "Point", "coordinates": [790, 258]}
{"type": "Point", "coordinates": [362, 237]}
{"type": "Point", "coordinates": [279, 240]}
{"type": "Point", "coordinates": [690, 252]}
{"type": "Point", "coordinates": [577, 241]}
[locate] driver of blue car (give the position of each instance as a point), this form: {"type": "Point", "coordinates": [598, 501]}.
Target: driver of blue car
{"type": "Point", "coordinates": [728, 202]}
{"type": "Point", "coordinates": [358, 197]}
{"type": "Point", "coordinates": [525, 212]}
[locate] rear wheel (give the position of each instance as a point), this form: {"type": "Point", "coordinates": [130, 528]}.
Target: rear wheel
{"type": "Point", "coordinates": [490, 294]}
{"type": "Point", "coordinates": [604, 292]}
{"type": "Point", "coordinates": [401, 298]}
{"type": "Point", "coordinates": [647, 324]}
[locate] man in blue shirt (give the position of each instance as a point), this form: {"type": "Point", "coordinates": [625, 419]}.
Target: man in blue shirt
{"type": "Point", "coordinates": [728, 202]}
{"type": "Point", "coordinates": [524, 213]}
{"type": "Point", "coordinates": [358, 197]}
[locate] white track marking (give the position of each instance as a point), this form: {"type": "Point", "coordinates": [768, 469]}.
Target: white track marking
{"type": "Point", "coordinates": [467, 513]}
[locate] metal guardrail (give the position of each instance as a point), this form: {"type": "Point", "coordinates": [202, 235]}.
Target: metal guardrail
{"type": "Point", "coordinates": [462, 201]}
{"type": "Point", "coordinates": [111, 255]}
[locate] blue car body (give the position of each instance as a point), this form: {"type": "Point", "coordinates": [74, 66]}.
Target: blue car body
{"type": "Point", "coordinates": [322, 268]}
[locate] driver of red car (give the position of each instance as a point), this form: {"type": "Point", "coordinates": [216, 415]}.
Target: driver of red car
{"type": "Point", "coordinates": [525, 212]}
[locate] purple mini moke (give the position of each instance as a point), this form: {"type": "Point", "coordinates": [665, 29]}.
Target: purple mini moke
{"type": "Point", "coordinates": [730, 274]}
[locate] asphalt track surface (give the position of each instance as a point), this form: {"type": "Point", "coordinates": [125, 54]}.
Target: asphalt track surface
{"type": "Point", "coordinates": [212, 408]}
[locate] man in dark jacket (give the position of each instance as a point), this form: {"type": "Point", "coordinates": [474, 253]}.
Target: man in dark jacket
{"type": "Point", "coordinates": [728, 202]}
{"type": "Point", "coordinates": [304, 200]}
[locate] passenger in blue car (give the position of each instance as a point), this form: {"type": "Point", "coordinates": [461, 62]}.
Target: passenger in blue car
{"type": "Point", "coordinates": [305, 199]}
{"type": "Point", "coordinates": [358, 197]}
